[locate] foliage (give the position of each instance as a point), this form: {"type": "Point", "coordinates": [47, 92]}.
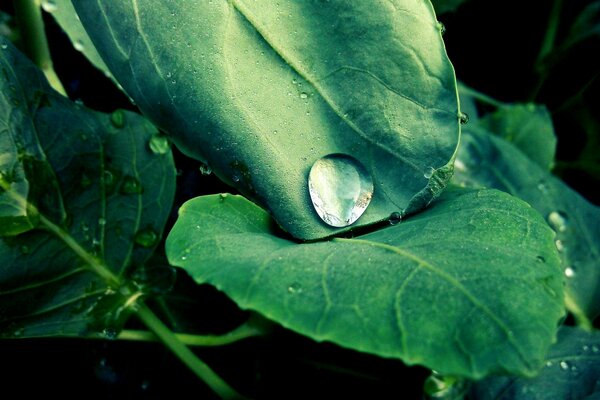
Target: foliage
{"type": "Point", "coordinates": [472, 249]}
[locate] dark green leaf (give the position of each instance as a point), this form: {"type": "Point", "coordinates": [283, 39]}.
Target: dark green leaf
{"type": "Point", "coordinates": [529, 127]}
{"type": "Point", "coordinates": [485, 160]}
{"type": "Point", "coordinates": [572, 372]}
{"type": "Point", "coordinates": [469, 287]}
{"type": "Point", "coordinates": [444, 6]}
{"type": "Point", "coordinates": [105, 186]}
{"type": "Point", "coordinates": [261, 90]}
{"type": "Point", "coordinates": [585, 26]}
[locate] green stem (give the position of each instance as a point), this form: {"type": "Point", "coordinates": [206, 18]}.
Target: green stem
{"type": "Point", "coordinates": [197, 366]}
{"type": "Point", "coordinates": [483, 98]}
{"type": "Point", "coordinates": [28, 14]}
{"type": "Point", "coordinates": [580, 318]}
{"type": "Point", "coordinates": [550, 37]}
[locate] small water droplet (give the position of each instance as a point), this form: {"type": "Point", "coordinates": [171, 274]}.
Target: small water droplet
{"type": "Point", "coordinates": [169, 74]}
{"type": "Point", "coordinates": [569, 272]}
{"type": "Point", "coordinates": [586, 347]}
{"type": "Point", "coordinates": [78, 45]}
{"type": "Point", "coordinates": [429, 173]}
{"type": "Point", "coordinates": [205, 169]}
{"type": "Point", "coordinates": [395, 218]}
{"type": "Point", "coordinates": [463, 118]}
{"type": "Point", "coordinates": [223, 196]}
{"type": "Point", "coordinates": [542, 187]}
{"type": "Point", "coordinates": [25, 249]}
{"type": "Point", "coordinates": [101, 221]}
{"type": "Point", "coordinates": [549, 363]}
{"type": "Point", "coordinates": [340, 189]}
{"type": "Point", "coordinates": [540, 259]}
{"type": "Point", "coordinates": [559, 245]}
{"type": "Point", "coordinates": [294, 288]}
{"type": "Point", "coordinates": [146, 237]}
{"type": "Point", "coordinates": [117, 118]}
{"type": "Point", "coordinates": [131, 185]}
{"type": "Point", "coordinates": [108, 178]}
{"type": "Point", "coordinates": [303, 95]}
{"type": "Point", "coordinates": [595, 348]}
{"type": "Point", "coordinates": [4, 46]}
{"type": "Point", "coordinates": [49, 6]}
{"type": "Point", "coordinates": [159, 144]}
{"type": "Point", "coordinates": [111, 334]}
{"type": "Point", "coordinates": [441, 27]}
{"type": "Point", "coordinates": [558, 221]}
{"type": "Point", "coordinates": [145, 385]}
{"type": "Point", "coordinates": [564, 365]}
{"type": "Point", "coordinates": [85, 181]}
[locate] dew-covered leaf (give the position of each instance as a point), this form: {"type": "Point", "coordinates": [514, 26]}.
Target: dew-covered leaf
{"type": "Point", "coordinates": [572, 371]}
{"type": "Point", "coordinates": [485, 160]}
{"type": "Point", "coordinates": [468, 287]}
{"type": "Point", "coordinates": [106, 196]}
{"type": "Point", "coordinates": [529, 127]}
{"type": "Point", "coordinates": [260, 90]}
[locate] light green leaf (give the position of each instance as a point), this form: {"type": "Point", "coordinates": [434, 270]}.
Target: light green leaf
{"type": "Point", "coordinates": [106, 202]}
{"type": "Point", "coordinates": [572, 371]}
{"type": "Point", "coordinates": [65, 15]}
{"type": "Point", "coordinates": [469, 287]}
{"type": "Point", "coordinates": [529, 127]}
{"type": "Point", "coordinates": [485, 160]}
{"type": "Point", "coordinates": [261, 90]}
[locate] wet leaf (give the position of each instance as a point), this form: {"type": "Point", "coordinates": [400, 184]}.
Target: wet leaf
{"type": "Point", "coordinates": [468, 287]}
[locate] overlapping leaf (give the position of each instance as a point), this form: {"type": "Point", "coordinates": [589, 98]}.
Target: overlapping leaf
{"type": "Point", "coordinates": [108, 184]}
{"type": "Point", "coordinates": [469, 287]}
{"type": "Point", "coordinates": [485, 160]}
{"type": "Point", "coordinates": [261, 90]}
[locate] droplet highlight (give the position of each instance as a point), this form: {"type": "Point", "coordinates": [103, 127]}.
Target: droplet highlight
{"type": "Point", "coordinates": [463, 118]}
{"type": "Point", "coordinates": [49, 6]}
{"type": "Point", "coordinates": [159, 144]}
{"type": "Point", "coordinates": [131, 185]}
{"type": "Point", "coordinates": [146, 237]}
{"type": "Point", "coordinates": [205, 169]}
{"type": "Point", "coordinates": [558, 221]}
{"type": "Point", "coordinates": [340, 188]}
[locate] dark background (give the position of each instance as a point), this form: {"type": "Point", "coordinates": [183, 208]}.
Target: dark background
{"type": "Point", "coordinates": [493, 46]}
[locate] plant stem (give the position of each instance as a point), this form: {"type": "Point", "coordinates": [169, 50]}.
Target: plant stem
{"type": "Point", "coordinates": [33, 39]}
{"type": "Point", "coordinates": [551, 30]}
{"type": "Point", "coordinates": [580, 318]}
{"type": "Point", "coordinates": [483, 98]}
{"type": "Point", "coordinates": [197, 366]}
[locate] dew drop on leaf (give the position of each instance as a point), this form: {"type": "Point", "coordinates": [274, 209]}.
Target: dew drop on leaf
{"type": "Point", "coordinates": [294, 288]}
{"type": "Point", "coordinates": [569, 272]}
{"type": "Point", "coordinates": [340, 188]}
{"type": "Point", "coordinates": [395, 218]}
{"type": "Point", "coordinates": [49, 6]}
{"type": "Point", "coordinates": [117, 118]}
{"type": "Point", "coordinates": [463, 118]}
{"type": "Point", "coordinates": [564, 365]}
{"type": "Point", "coordinates": [159, 144]}
{"type": "Point", "coordinates": [146, 237]}
{"type": "Point", "coordinates": [441, 27]}
{"type": "Point", "coordinates": [558, 221]}
{"type": "Point", "coordinates": [205, 169]}
{"type": "Point", "coordinates": [559, 246]}
{"type": "Point", "coordinates": [303, 95]}
{"type": "Point", "coordinates": [78, 45]}
{"type": "Point", "coordinates": [429, 173]}
{"type": "Point", "coordinates": [131, 185]}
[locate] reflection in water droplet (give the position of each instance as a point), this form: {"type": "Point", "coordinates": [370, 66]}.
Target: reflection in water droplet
{"type": "Point", "coordinates": [569, 272]}
{"type": "Point", "coordinates": [558, 221]}
{"type": "Point", "coordinates": [146, 237]}
{"type": "Point", "coordinates": [564, 365]}
{"type": "Point", "coordinates": [159, 144]}
{"type": "Point", "coordinates": [49, 6]}
{"type": "Point", "coordinates": [117, 118]}
{"type": "Point", "coordinates": [205, 169]}
{"type": "Point", "coordinates": [463, 118]}
{"type": "Point", "coordinates": [294, 288]}
{"type": "Point", "coordinates": [340, 189]}
{"type": "Point", "coordinates": [395, 218]}
{"type": "Point", "coordinates": [131, 185]}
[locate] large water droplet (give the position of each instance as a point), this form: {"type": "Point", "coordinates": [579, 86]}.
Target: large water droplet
{"type": "Point", "coordinates": [564, 365]}
{"type": "Point", "coordinates": [117, 118]}
{"type": "Point", "coordinates": [78, 45]}
{"type": "Point", "coordinates": [395, 218]}
{"type": "Point", "coordinates": [131, 186]}
{"type": "Point", "coordinates": [558, 221]}
{"type": "Point", "coordinates": [463, 118]}
{"type": "Point", "coordinates": [569, 272]}
{"type": "Point", "coordinates": [146, 237]}
{"type": "Point", "coordinates": [205, 169]}
{"type": "Point", "coordinates": [159, 144]}
{"type": "Point", "coordinates": [340, 189]}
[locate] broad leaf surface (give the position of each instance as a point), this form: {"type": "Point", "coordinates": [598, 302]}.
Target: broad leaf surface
{"type": "Point", "coordinates": [485, 160]}
{"type": "Point", "coordinates": [572, 371]}
{"type": "Point", "coordinates": [65, 15]}
{"type": "Point", "coordinates": [529, 127]}
{"type": "Point", "coordinates": [261, 90]}
{"type": "Point", "coordinates": [469, 287]}
{"type": "Point", "coordinates": [114, 195]}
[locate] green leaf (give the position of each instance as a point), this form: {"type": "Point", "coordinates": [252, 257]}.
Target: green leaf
{"type": "Point", "coordinates": [261, 90]}
{"type": "Point", "coordinates": [485, 160]}
{"type": "Point", "coordinates": [444, 6]}
{"type": "Point", "coordinates": [572, 372]}
{"type": "Point", "coordinates": [107, 189]}
{"type": "Point", "coordinates": [65, 15]}
{"type": "Point", "coordinates": [529, 127]}
{"type": "Point", "coordinates": [586, 25]}
{"type": "Point", "coordinates": [469, 287]}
